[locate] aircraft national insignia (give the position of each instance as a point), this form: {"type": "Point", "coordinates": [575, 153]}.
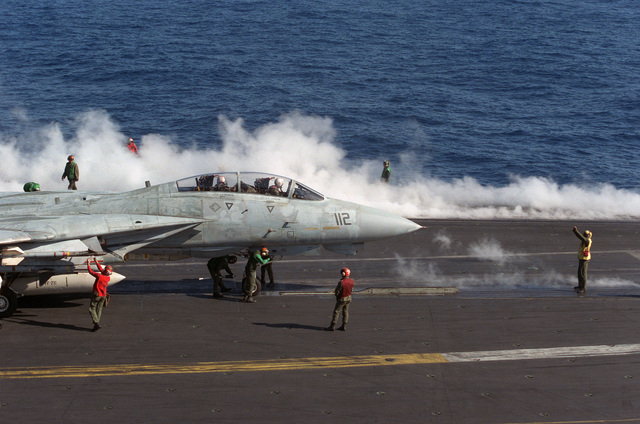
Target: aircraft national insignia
{"type": "Point", "coordinates": [270, 208]}
{"type": "Point", "coordinates": [215, 207]}
{"type": "Point", "coordinates": [229, 205]}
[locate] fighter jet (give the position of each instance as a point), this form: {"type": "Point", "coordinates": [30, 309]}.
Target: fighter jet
{"type": "Point", "coordinates": [47, 237]}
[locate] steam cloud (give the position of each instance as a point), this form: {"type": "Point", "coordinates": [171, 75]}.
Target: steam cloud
{"type": "Point", "coordinates": [507, 270]}
{"type": "Point", "coordinates": [298, 146]}
{"type": "Point", "coordinates": [489, 250]}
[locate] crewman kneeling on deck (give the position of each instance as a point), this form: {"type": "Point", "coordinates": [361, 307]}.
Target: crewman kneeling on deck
{"type": "Point", "coordinates": [31, 186]}
{"type": "Point", "coordinates": [216, 265]}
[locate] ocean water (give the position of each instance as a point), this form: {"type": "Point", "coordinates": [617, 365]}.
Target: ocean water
{"type": "Point", "coordinates": [485, 108]}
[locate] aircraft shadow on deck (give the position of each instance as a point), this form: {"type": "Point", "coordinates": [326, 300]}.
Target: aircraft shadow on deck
{"type": "Point", "coordinates": [19, 319]}
{"type": "Point", "coordinates": [196, 287]}
{"type": "Point", "coordinates": [290, 326]}
{"type": "Point", "coordinates": [53, 301]}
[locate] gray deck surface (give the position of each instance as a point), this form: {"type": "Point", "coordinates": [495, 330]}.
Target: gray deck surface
{"type": "Point", "coordinates": [514, 345]}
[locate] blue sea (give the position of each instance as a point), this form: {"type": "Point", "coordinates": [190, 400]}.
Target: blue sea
{"type": "Point", "coordinates": [485, 108]}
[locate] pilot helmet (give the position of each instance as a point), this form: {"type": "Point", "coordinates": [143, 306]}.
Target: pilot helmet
{"type": "Point", "coordinates": [108, 270]}
{"type": "Point", "coordinates": [222, 180]}
{"type": "Point", "coordinates": [279, 182]}
{"type": "Point", "coordinates": [345, 271]}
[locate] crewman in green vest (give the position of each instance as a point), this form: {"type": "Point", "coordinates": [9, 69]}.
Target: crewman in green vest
{"type": "Point", "coordinates": [31, 186]}
{"type": "Point", "coordinates": [71, 172]}
{"type": "Point", "coordinates": [257, 258]}
{"type": "Point", "coordinates": [386, 172]}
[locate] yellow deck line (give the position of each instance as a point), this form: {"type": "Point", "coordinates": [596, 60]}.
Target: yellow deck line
{"type": "Point", "coordinates": [293, 364]}
{"type": "Point", "coordinates": [223, 367]}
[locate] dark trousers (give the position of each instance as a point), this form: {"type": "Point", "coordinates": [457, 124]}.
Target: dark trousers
{"type": "Point", "coordinates": [269, 271]}
{"type": "Point", "coordinates": [582, 274]}
{"type": "Point", "coordinates": [215, 276]}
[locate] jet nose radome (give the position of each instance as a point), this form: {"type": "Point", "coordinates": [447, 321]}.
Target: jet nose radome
{"type": "Point", "coordinates": [377, 224]}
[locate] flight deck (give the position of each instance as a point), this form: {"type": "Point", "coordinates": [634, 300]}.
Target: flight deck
{"type": "Point", "coordinates": [499, 336]}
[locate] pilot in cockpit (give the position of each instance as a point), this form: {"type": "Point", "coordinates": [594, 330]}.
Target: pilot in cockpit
{"type": "Point", "coordinates": [205, 182]}
{"type": "Point", "coordinates": [221, 185]}
{"type": "Point", "coordinates": [276, 189]}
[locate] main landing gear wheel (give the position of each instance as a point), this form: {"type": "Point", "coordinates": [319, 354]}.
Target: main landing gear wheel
{"type": "Point", "coordinates": [258, 286]}
{"type": "Point", "coordinates": [8, 302]}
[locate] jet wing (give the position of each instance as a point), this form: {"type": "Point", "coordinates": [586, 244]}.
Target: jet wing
{"type": "Point", "coordinates": [12, 237]}
{"type": "Point", "coordinates": [76, 235]}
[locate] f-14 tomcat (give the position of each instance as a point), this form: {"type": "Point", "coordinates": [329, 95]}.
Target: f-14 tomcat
{"type": "Point", "coordinates": [47, 237]}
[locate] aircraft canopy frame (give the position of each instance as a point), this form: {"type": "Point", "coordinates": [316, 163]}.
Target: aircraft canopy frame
{"type": "Point", "coordinates": [249, 183]}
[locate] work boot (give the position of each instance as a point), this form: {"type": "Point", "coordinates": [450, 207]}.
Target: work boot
{"type": "Point", "coordinates": [217, 296]}
{"type": "Point", "coordinates": [332, 327]}
{"type": "Point", "coordinates": [248, 299]}
{"type": "Point", "coordinates": [96, 327]}
{"type": "Point", "coordinates": [343, 328]}
{"type": "Point", "coordinates": [225, 289]}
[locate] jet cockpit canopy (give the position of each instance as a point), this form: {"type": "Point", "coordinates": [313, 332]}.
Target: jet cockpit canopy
{"type": "Point", "coordinates": [250, 183]}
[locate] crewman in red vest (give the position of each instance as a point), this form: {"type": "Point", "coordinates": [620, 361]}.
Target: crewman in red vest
{"type": "Point", "coordinates": [132, 146]}
{"type": "Point", "coordinates": [343, 300]}
{"type": "Point", "coordinates": [99, 291]}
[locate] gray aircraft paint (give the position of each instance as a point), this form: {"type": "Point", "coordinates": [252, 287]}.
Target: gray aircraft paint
{"type": "Point", "coordinates": [47, 237]}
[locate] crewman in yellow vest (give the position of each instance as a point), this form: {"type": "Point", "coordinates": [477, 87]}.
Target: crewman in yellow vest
{"type": "Point", "coordinates": [584, 256]}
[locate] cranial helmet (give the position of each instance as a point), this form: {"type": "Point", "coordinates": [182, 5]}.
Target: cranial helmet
{"type": "Point", "coordinates": [108, 270]}
{"type": "Point", "coordinates": [588, 233]}
{"type": "Point", "coordinates": [345, 271]}
{"type": "Point", "coordinates": [232, 259]}
{"type": "Point", "coordinates": [70, 157]}
{"type": "Point", "coordinates": [264, 251]}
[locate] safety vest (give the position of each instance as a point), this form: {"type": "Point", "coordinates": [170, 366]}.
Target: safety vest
{"type": "Point", "coordinates": [584, 253]}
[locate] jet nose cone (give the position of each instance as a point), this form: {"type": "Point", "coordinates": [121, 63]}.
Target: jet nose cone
{"type": "Point", "coordinates": [377, 224]}
{"type": "Point", "coordinates": [116, 278]}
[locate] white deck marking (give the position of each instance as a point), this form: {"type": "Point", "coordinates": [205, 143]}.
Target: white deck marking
{"type": "Point", "coordinates": [297, 364]}
{"type": "Point", "coordinates": [543, 353]}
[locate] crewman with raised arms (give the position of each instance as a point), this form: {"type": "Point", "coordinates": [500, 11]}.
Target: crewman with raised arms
{"type": "Point", "coordinates": [584, 256]}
